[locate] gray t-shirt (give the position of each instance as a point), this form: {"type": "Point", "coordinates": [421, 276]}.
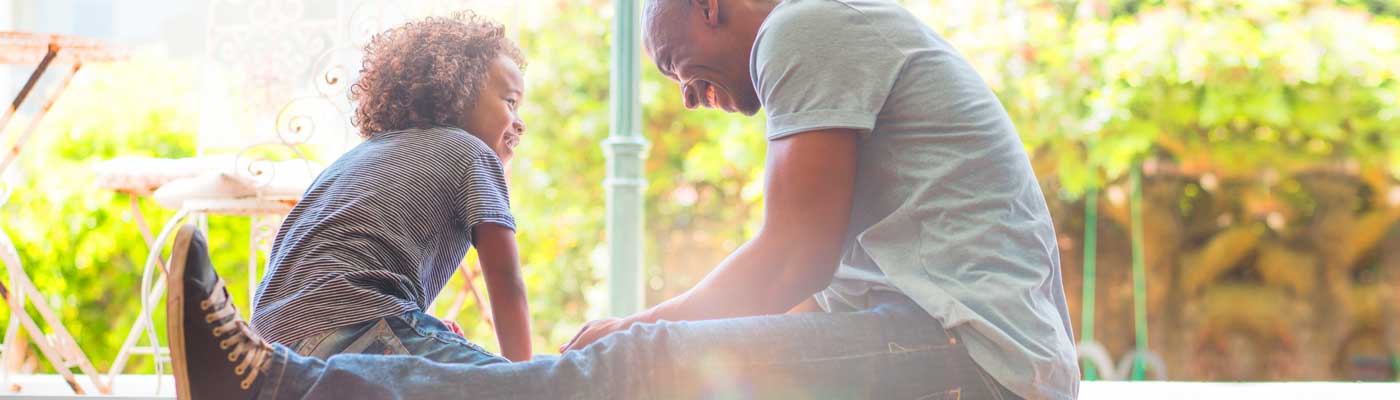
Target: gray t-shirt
{"type": "Point", "coordinates": [947, 209]}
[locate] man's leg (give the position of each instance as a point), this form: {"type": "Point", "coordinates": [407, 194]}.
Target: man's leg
{"type": "Point", "coordinates": [890, 352]}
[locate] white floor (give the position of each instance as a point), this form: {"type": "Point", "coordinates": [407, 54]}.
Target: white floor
{"type": "Point", "coordinates": [126, 387]}
{"type": "Point", "coordinates": [1213, 390]}
{"type": "Point", "coordinates": [134, 387]}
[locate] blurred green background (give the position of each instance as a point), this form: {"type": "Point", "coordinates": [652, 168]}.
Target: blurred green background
{"type": "Point", "coordinates": [1266, 132]}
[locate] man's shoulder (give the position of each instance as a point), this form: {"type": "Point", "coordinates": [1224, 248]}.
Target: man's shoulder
{"type": "Point", "coordinates": [819, 21]}
{"type": "Point", "coordinates": [819, 12]}
{"type": "Point", "coordinates": [800, 13]}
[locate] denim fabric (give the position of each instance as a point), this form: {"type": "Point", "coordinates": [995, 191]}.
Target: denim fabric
{"type": "Point", "coordinates": [413, 333]}
{"type": "Point", "coordinates": [893, 351]}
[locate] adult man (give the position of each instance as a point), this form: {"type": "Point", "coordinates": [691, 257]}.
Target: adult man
{"type": "Point", "coordinates": [897, 193]}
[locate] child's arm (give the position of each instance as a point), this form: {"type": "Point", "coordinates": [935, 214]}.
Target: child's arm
{"type": "Point", "coordinates": [500, 264]}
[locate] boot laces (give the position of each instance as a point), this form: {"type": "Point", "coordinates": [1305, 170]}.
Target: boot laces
{"type": "Point", "coordinates": [256, 352]}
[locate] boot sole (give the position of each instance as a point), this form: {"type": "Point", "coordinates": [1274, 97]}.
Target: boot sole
{"type": "Point", "coordinates": [175, 311]}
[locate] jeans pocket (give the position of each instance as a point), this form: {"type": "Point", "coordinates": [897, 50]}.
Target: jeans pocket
{"type": "Point", "coordinates": [379, 339]}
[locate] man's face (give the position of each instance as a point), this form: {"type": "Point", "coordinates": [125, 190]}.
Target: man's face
{"type": "Point", "coordinates": [710, 62]}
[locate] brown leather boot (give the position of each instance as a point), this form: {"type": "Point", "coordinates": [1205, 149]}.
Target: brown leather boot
{"type": "Point", "coordinates": [215, 353]}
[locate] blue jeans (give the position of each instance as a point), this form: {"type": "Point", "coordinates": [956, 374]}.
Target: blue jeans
{"type": "Point", "coordinates": [892, 351]}
{"type": "Point", "coordinates": [414, 333]}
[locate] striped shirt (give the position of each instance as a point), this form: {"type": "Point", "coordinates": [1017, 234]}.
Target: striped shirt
{"type": "Point", "coordinates": [379, 232]}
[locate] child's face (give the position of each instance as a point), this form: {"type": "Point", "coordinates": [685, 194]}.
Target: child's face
{"type": "Point", "coordinates": [494, 118]}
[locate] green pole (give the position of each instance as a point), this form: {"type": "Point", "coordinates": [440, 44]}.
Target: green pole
{"type": "Point", "coordinates": [625, 149]}
{"type": "Point", "coordinates": [1086, 317]}
{"type": "Point", "coordinates": [1395, 365]}
{"type": "Point", "coordinates": [1139, 275]}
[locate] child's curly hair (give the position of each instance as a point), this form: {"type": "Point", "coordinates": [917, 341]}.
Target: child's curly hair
{"type": "Point", "coordinates": [427, 72]}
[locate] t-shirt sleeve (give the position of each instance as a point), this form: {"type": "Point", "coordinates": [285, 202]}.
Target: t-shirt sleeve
{"type": "Point", "coordinates": [482, 195]}
{"type": "Point", "coordinates": [820, 65]}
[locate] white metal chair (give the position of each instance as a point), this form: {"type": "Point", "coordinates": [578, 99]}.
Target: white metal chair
{"type": "Point", "coordinates": [291, 63]}
{"type": "Point", "coordinates": [58, 347]}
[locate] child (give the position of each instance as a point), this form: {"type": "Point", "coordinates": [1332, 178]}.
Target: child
{"type": "Point", "coordinates": [379, 233]}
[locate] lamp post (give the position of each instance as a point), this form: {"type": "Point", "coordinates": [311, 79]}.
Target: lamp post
{"type": "Point", "coordinates": [625, 149]}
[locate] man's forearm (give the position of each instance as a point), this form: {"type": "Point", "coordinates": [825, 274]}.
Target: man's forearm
{"type": "Point", "coordinates": [760, 278]}
{"type": "Point", "coordinates": [808, 194]}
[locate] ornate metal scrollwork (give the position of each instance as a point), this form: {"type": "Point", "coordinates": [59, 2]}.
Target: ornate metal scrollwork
{"type": "Point", "coordinates": [303, 50]}
{"type": "Point", "coordinates": [308, 51]}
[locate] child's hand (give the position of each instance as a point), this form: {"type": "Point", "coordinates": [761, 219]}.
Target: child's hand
{"type": "Point", "coordinates": [452, 325]}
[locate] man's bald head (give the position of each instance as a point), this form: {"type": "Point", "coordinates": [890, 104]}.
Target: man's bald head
{"type": "Point", "coordinates": [655, 8]}
{"type": "Point", "coordinates": [656, 12]}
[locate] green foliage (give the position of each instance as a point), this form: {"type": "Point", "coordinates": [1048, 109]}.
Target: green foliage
{"type": "Point", "coordinates": [1223, 87]}
{"type": "Point", "coordinates": [80, 244]}
{"type": "Point", "coordinates": [1389, 8]}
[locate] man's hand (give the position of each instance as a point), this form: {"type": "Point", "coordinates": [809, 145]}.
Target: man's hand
{"type": "Point", "coordinates": [595, 330]}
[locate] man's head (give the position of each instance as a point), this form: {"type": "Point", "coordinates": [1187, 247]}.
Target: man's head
{"type": "Point", "coordinates": [459, 71]}
{"type": "Point", "coordinates": [704, 46]}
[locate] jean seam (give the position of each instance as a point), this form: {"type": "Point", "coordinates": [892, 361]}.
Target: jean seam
{"type": "Point", "coordinates": [943, 394]}
{"type": "Point", "coordinates": [930, 348]}
{"type": "Point", "coordinates": [281, 373]}
{"type": "Point", "coordinates": [468, 343]}
{"type": "Point", "coordinates": [896, 348]}
{"type": "Point", "coordinates": [412, 322]}
{"type": "Point", "coordinates": [305, 344]}
{"type": "Point", "coordinates": [992, 386]}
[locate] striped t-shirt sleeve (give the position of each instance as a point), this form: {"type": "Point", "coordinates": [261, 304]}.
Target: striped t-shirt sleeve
{"type": "Point", "coordinates": [482, 195]}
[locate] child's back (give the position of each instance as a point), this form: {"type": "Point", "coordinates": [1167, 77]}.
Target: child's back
{"type": "Point", "coordinates": [380, 232]}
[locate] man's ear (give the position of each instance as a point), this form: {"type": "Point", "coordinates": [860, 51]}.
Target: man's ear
{"type": "Point", "coordinates": [710, 10]}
